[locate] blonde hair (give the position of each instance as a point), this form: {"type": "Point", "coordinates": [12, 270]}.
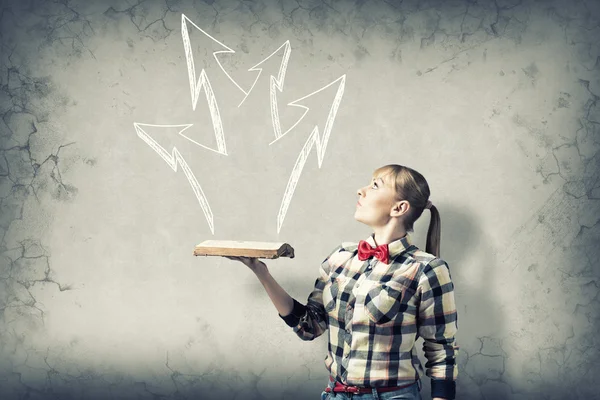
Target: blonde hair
{"type": "Point", "coordinates": [411, 186]}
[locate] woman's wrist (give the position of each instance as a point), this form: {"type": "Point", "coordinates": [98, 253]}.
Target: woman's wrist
{"type": "Point", "coordinates": [260, 268]}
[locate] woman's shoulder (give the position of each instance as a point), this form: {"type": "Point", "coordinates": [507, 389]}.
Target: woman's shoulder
{"type": "Point", "coordinates": [425, 258]}
{"type": "Point", "coordinates": [421, 256]}
{"type": "Point", "coordinates": [349, 246]}
{"type": "Point", "coordinates": [344, 247]}
{"type": "Point", "coordinates": [340, 254]}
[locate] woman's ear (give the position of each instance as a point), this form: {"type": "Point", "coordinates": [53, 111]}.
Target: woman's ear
{"type": "Point", "coordinates": [400, 208]}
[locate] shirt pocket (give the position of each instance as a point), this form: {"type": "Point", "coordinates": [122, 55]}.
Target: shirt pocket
{"type": "Point", "coordinates": [383, 301]}
{"type": "Point", "coordinates": [331, 292]}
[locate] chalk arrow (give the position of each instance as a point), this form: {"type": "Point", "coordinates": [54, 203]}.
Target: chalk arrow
{"type": "Point", "coordinates": [275, 82]}
{"type": "Point", "coordinates": [201, 81]}
{"type": "Point", "coordinates": [173, 158]}
{"type": "Point", "coordinates": [189, 54]}
{"type": "Point", "coordinates": [316, 137]}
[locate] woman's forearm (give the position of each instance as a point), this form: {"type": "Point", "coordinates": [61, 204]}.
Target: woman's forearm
{"type": "Point", "coordinates": [282, 301]}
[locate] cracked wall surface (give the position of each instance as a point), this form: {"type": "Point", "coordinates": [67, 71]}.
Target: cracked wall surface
{"type": "Point", "coordinates": [495, 102]}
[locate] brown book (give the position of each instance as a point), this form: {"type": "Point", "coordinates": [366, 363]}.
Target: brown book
{"type": "Point", "coordinates": [244, 248]}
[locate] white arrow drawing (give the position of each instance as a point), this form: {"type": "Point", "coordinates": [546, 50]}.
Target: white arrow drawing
{"type": "Point", "coordinates": [275, 83]}
{"type": "Point", "coordinates": [189, 55]}
{"type": "Point", "coordinates": [202, 82]}
{"type": "Point", "coordinates": [174, 158]}
{"type": "Point", "coordinates": [315, 138]}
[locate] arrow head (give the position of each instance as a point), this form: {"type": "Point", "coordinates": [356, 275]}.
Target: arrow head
{"type": "Point", "coordinates": [200, 50]}
{"type": "Point", "coordinates": [315, 115]}
{"type": "Point", "coordinates": [275, 64]}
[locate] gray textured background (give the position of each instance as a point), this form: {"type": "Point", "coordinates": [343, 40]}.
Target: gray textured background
{"type": "Point", "coordinates": [495, 102]}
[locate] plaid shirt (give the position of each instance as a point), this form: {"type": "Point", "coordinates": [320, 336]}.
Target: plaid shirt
{"type": "Point", "coordinates": [375, 312]}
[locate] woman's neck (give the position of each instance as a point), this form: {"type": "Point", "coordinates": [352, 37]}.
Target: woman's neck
{"type": "Point", "coordinates": [387, 234]}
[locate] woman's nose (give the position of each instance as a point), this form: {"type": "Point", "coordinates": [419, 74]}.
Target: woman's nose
{"type": "Point", "coordinates": [360, 191]}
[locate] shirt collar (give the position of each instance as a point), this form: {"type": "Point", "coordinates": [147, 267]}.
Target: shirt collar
{"type": "Point", "coordinates": [396, 247]}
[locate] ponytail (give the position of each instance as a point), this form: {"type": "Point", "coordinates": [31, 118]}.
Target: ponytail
{"type": "Point", "coordinates": [434, 232]}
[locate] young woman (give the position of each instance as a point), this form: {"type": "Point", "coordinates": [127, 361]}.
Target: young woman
{"type": "Point", "coordinates": [378, 296]}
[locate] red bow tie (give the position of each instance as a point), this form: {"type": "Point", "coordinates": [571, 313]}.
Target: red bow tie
{"type": "Point", "coordinates": [365, 251]}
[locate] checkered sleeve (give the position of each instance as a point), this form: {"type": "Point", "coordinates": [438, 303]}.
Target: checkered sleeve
{"type": "Point", "coordinates": [437, 323]}
{"type": "Point", "coordinates": [310, 321]}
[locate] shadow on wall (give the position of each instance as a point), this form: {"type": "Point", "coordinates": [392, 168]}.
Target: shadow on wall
{"type": "Point", "coordinates": [472, 261]}
{"type": "Point", "coordinates": [527, 315]}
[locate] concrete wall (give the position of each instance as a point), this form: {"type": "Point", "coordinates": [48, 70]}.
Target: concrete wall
{"type": "Point", "coordinates": [495, 102]}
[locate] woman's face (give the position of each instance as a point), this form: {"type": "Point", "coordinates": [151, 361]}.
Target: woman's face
{"type": "Point", "coordinates": [375, 201]}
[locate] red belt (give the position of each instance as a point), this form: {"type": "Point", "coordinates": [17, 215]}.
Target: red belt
{"type": "Point", "coordinates": [339, 387]}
